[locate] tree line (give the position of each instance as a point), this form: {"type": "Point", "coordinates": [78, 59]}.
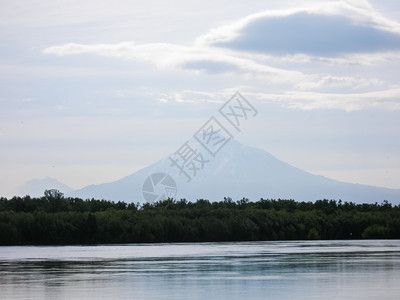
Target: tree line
{"type": "Point", "coordinates": [55, 220]}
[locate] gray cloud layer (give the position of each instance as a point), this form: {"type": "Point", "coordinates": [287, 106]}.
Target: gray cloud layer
{"type": "Point", "coordinates": [311, 34]}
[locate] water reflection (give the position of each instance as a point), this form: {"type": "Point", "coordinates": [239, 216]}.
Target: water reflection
{"type": "Point", "coordinates": [260, 270]}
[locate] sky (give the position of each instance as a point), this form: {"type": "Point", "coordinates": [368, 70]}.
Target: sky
{"type": "Point", "coordinates": [92, 91]}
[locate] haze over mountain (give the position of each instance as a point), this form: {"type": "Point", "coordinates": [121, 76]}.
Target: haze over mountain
{"type": "Point", "coordinates": [236, 171]}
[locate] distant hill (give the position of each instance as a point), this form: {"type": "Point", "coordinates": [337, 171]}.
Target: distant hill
{"type": "Point", "coordinates": [236, 171]}
{"type": "Point", "coordinates": [36, 187]}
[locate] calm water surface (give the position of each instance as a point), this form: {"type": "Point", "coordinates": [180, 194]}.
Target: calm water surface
{"type": "Point", "coordinates": [255, 270]}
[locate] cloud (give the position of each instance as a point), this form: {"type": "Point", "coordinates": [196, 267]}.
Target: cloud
{"type": "Point", "coordinates": [276, 49]}
{"type": "Point", "coordinates": [311, 34]}
{"type": "Point", "coordinates": [216, 61]}
{"type": "Point", "coordinates": [329, 81]}
{"type": "Point", "coordinates": [210, 60]}
{"type": "Point", "coordinates": [212, 67]}
{"type": "Point", "coordinates": [385, 100]}
{"type": "Point", "coordinates": [193, 96]}
{"type": "Point", "coordinates": [327, 29]}
{"type": "Point", "coordinates": [192, 58]}
{"type": "Point", "coordinates": [388, 100]}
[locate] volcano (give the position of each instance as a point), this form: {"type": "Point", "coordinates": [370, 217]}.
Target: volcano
{"type": "Point", "coordinates": [236, 171]}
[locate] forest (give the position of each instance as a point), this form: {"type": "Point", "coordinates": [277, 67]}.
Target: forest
{"type": "Point", "coordinates": [56, 220]}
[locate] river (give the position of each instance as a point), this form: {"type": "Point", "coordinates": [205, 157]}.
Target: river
{"type": "Point", "coordinates": [351, 269]}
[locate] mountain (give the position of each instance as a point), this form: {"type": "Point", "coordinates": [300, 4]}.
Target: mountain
{"type": "Point", "coordinates": [236, 171]}
{"type": "Point", "coordinates": [36, 187]}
